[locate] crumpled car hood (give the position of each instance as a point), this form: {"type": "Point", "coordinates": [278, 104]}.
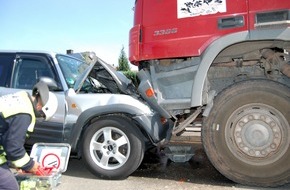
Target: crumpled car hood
{"type": "Point", "coordinates": [107, 73]}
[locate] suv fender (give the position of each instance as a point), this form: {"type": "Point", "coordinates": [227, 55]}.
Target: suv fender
{"type": "Point", "coordinates": [150, 123]}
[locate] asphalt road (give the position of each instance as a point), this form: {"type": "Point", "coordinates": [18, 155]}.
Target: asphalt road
{"type": "Point", "coordinates": [154, 174]}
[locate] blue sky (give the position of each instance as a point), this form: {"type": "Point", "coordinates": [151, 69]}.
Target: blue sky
{"type": "Point", "coordinates": [101, 26]}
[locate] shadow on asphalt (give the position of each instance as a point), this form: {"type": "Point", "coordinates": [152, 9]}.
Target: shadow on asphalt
{"type": "Point", "coordinates": [197, 170]}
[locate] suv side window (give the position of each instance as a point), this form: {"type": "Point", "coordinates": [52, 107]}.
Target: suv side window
{"type": "Point", "coordinates": [29, 69]}
{"type": "Point", "coordinates": [6, 65]}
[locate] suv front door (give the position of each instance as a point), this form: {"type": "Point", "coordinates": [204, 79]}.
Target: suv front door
{"type": "Point", "coordinates": [27, 70]}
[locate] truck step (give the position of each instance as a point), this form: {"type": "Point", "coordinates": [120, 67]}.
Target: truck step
{"type": "Point", "coordinates": [178, 153]}
{"type": "Point", "coordinates": [191, 134]}
{"type": "Point", "coordinates": [192, 130]}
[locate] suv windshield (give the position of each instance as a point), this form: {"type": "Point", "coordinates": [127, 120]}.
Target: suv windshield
{"type": "Point", "coordinates": [72, 68]}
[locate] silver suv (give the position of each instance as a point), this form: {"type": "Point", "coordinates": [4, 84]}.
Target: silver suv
{"type": "Point", "coordinates": [100, 113]}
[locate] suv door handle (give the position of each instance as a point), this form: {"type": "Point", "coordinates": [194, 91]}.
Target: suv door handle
{"type": "Point", "coordinates": [230, 22]}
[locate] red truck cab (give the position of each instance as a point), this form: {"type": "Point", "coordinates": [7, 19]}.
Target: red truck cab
{"type": "Point", "coordinates": [183, 28]}
{"type": "Point", "coordinates": [222, 65]}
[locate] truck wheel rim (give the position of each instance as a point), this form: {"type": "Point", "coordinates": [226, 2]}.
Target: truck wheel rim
{"type": "Point", "coordinates": [257, 134]}
{"type": "Point", "coordinates": [110, 148]}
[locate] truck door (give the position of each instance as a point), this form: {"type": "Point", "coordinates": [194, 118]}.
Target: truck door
{"type": "Point", "coordinates": [183, 28]}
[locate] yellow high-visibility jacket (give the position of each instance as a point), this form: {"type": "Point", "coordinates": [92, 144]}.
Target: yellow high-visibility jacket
{"type": "Point", "coordinates": [12, 143]}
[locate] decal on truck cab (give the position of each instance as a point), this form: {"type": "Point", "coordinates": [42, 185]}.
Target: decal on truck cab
{"type": "Point", "coordinates": [191, 8]}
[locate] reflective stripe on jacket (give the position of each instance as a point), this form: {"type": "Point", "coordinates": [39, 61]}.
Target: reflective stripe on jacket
{"type": "Point", "coordinates": [2, 156]}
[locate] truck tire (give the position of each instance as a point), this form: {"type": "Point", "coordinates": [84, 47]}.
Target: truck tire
{"type": "Point", "coordinates": [247, 134]}
{"type": "Point", "coordinates": [112, 147]}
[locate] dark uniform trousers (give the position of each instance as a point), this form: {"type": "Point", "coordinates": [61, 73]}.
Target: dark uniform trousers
{"type": "Point", "coordinates": [19, 121]}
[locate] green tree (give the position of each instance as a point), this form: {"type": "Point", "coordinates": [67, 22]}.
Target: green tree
{"type": "Point", "coordinates": [123, 61]}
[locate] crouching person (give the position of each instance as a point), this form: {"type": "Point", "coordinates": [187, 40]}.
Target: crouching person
{"type": "Point", "coordinates": [18, 114]}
